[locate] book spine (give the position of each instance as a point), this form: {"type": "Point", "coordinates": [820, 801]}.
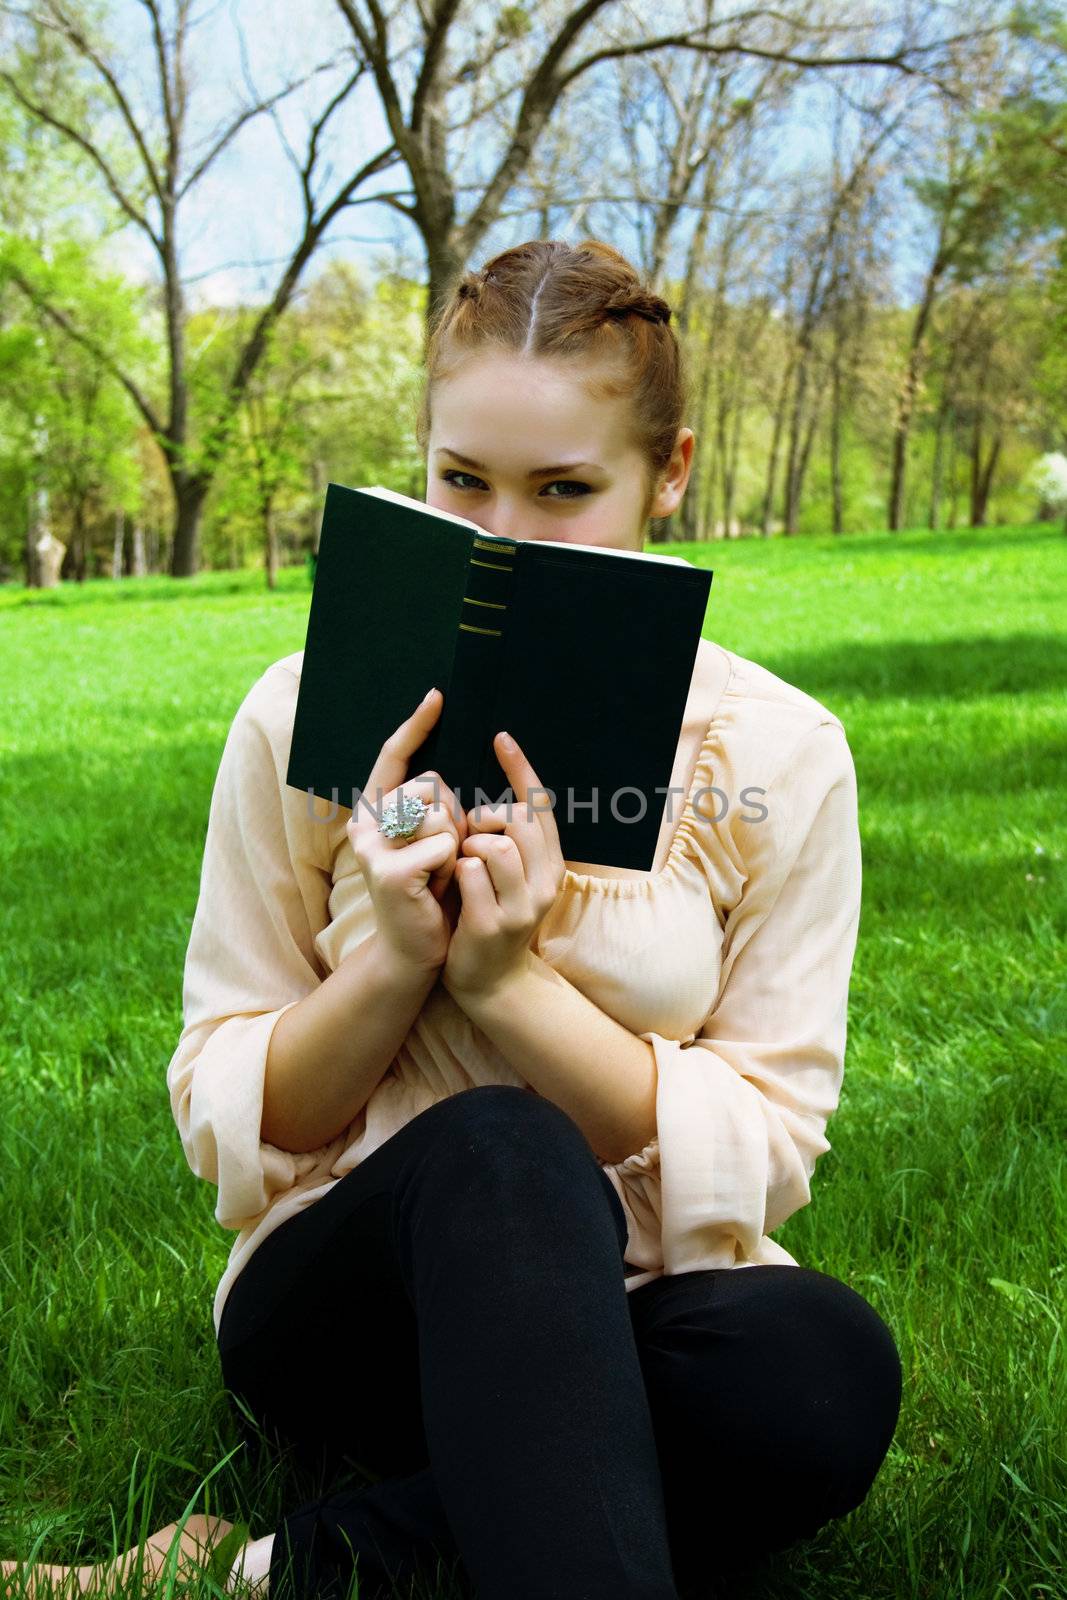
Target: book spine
{"type": "Point", "coordinates": [471, 692]}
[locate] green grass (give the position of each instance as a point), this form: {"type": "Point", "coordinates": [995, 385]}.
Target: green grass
{"type": "Point", "coordinates": [943, 1196]}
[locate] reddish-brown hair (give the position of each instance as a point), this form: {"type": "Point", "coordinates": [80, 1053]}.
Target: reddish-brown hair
{"type": "Point", "coordinates": [583, 302]}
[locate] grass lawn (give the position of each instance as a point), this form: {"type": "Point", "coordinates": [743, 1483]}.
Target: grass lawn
{"type": "Point", "coordinates": [942, 1199]}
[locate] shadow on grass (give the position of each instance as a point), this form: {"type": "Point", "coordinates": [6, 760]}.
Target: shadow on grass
{"type": "Point", "coordinates": [928, 766]}
{"type": "Point", "coordinates": [917, 669]}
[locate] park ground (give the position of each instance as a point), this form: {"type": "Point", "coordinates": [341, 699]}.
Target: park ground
{"type": "Point", "coordinates": [942, 1200]}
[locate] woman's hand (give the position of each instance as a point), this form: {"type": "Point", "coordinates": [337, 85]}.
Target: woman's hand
{"type": "Point", "coordinates": [410, 879]}
{"type": "Point", "coordinates": [509, 874]}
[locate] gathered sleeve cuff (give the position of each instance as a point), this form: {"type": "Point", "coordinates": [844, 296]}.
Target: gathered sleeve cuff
{"type": "Point", "coordinates": [264, 892]}
{"type": "Point", "coordinates": [741, 1109]}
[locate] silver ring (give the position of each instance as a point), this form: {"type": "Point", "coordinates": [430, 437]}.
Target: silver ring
{"type": "Point", "coordinates": [403, 824]}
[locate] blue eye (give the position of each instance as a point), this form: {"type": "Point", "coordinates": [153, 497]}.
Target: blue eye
{"type": "Point", "coordinates": [568, 483]}
{"type": "Point", "coordinates": [452, 474]}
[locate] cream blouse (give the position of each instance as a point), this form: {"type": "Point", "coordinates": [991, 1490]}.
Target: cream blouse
{"type": "Point", "coordinates": [732, 961]}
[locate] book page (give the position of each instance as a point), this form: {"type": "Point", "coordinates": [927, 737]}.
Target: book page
{"type": "Point", "coordinates": [569, 544]}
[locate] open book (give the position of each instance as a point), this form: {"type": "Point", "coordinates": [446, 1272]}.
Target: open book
{"type": "Point", "coordinates": [584, 654]}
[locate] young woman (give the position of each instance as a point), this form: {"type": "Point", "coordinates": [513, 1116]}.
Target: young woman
{"type": "Point", "coordinates": [504, 1136]}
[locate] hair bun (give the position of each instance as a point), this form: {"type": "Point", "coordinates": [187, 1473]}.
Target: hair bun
{"type": "Point", "coordinates": [639, 301]}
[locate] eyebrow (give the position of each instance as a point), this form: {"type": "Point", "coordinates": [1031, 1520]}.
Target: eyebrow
{"type": "Point", "coordinates": [538, 472]}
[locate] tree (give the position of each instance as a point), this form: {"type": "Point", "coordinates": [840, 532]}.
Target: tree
{"type": "Point", "coordinates": [1030, 128]}
{"type": "Point", "coordinates": [146, 169]}
{"type": "Point", "coordinates": [143, 163]}
{"type": "Point", "coordinates": [334, 399]}
{"type": "Point", "coordinates": [63, 394]}
{"type": "Point", "coordinates": [970, 196]}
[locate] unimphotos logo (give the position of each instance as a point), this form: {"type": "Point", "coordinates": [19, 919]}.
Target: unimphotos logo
{"type": "Point", "coordinates": [541, 798]}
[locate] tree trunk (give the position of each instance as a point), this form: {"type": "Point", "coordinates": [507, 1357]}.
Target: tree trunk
{"type": "Point", "coordinates": [36, 528]}
{"type": "Point", "coordinates": [838, 509]}
{"type": "Point", "coordinates": [776, 445]}
{"type": "Point", "coordinates": [189, 495]}
{"type": "Point", "coordinates": [790, 489]}
{"type": "Point", "coordinates": [722, 418]}
{"type": "Point", "coordinates": [976, 456]}
{"type": "Point", "coordinates": [733, 451]}
{"type": "Point", "coordinates": [909, 387]}
{"type": "Point", "coordinates": [694, 510]}
{"type": "Point", "coordinates": [804, 453]}
{"type": "Point", "coordinates": [270, 535]}
{"type": "Point", "coordinates": [78, 541]}
{"type": "Point", "coordinates": [444, 266]}
{"type": "Point", "coordinates": [937, 471]}
{"type": "Point", "coordinates": [982, 475]}
{"type": "Point", "coordinates": [137, 565]}
{"type": "Point", "coordinates": [117, 544]}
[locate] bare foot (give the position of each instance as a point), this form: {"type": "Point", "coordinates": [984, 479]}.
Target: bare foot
{"type": "Point", "coordinates": [199, 1536]}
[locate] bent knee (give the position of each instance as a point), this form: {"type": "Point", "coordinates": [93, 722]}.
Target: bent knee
{"type": "Point", "coordinates": [788, 1367]}
{"type": "Point", "coordinates": [502, 1129]}
{"type": "Point", "coordinates": [850, 1378]}
{"type": "Point", "coordinates": [851, 1395]}
{"type": "Point", "coordinates": [497, 1109]}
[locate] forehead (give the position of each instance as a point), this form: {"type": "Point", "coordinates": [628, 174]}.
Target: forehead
{"type": "Point", "coordinates": [508, 409]}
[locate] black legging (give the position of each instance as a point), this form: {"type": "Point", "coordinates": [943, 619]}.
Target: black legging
{"type": "Point", "coordinates": [452, 1317]}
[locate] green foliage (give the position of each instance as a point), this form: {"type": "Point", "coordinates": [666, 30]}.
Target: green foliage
{"type": "Point", "coordinates": [67, 425]}
{"type": "Point", "coordinates": [334, 399]}
{"type": "Point", "coordinates": [513, 22]}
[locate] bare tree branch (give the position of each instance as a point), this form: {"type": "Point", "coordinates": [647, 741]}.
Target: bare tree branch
{"type": "Point", "coordinates": [319, 127]}
{"type": "Point", "coordinates": [163, 69]}
{"type": "Point", "coordinates": [43, 114]}
{"type": "Point", "coordinates": [82, 44]}
{"type": "Point", "coordinates": [260, 108]}
{"type": "Point", "coordinates": [375, 53]}
{"type": "Point", "coordinates": [314, 228]}
{"type": "Point", "coordinates": [538, 101]}
{"type": "Point", "coordinates": [433, 59]}
{"type": "Point", "coordinates": [897, 60]}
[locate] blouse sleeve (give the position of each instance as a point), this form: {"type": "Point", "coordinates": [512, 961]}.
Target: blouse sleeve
{"type": "Point", "coordinates": [741, 1109]}
{"type": "Point", "coordinates": [264, 891]}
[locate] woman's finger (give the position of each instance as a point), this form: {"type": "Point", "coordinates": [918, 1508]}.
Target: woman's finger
{"type": "Point", "coordinates": [390, 767]}
{"type": "Point", "coordinates": [532, 804]}
{"type": "Point", "coordinates": [523, 828]}
{"type": "Point", "coordinates": [503, 865]}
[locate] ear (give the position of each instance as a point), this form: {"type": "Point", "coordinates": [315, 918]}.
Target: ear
{"type": "Point", "coordinates": [671, 484]}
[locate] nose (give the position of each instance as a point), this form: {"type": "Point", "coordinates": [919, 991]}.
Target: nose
{"type": "Point", "coordinates": [505, 520]}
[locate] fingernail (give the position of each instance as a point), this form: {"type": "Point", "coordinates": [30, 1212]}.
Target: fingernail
{"type": "Point", "coordinates": [427, 696]}
{"type": "Point", "coordinates": [507, 741]}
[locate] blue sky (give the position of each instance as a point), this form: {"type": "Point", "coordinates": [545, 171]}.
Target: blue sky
{"type": "Point", "coordinates": [245, 214]}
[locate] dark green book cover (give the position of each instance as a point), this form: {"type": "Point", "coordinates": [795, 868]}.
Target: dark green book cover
{"type": "Point", "coordinates": [585, 655]}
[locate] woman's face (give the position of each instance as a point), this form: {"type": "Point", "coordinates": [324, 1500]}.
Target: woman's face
{"type": "Point", "coordinates": [501, 419]}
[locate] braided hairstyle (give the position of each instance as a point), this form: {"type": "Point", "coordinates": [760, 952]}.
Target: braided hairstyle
{"type": "Point", "coordinates": [583, 302]}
